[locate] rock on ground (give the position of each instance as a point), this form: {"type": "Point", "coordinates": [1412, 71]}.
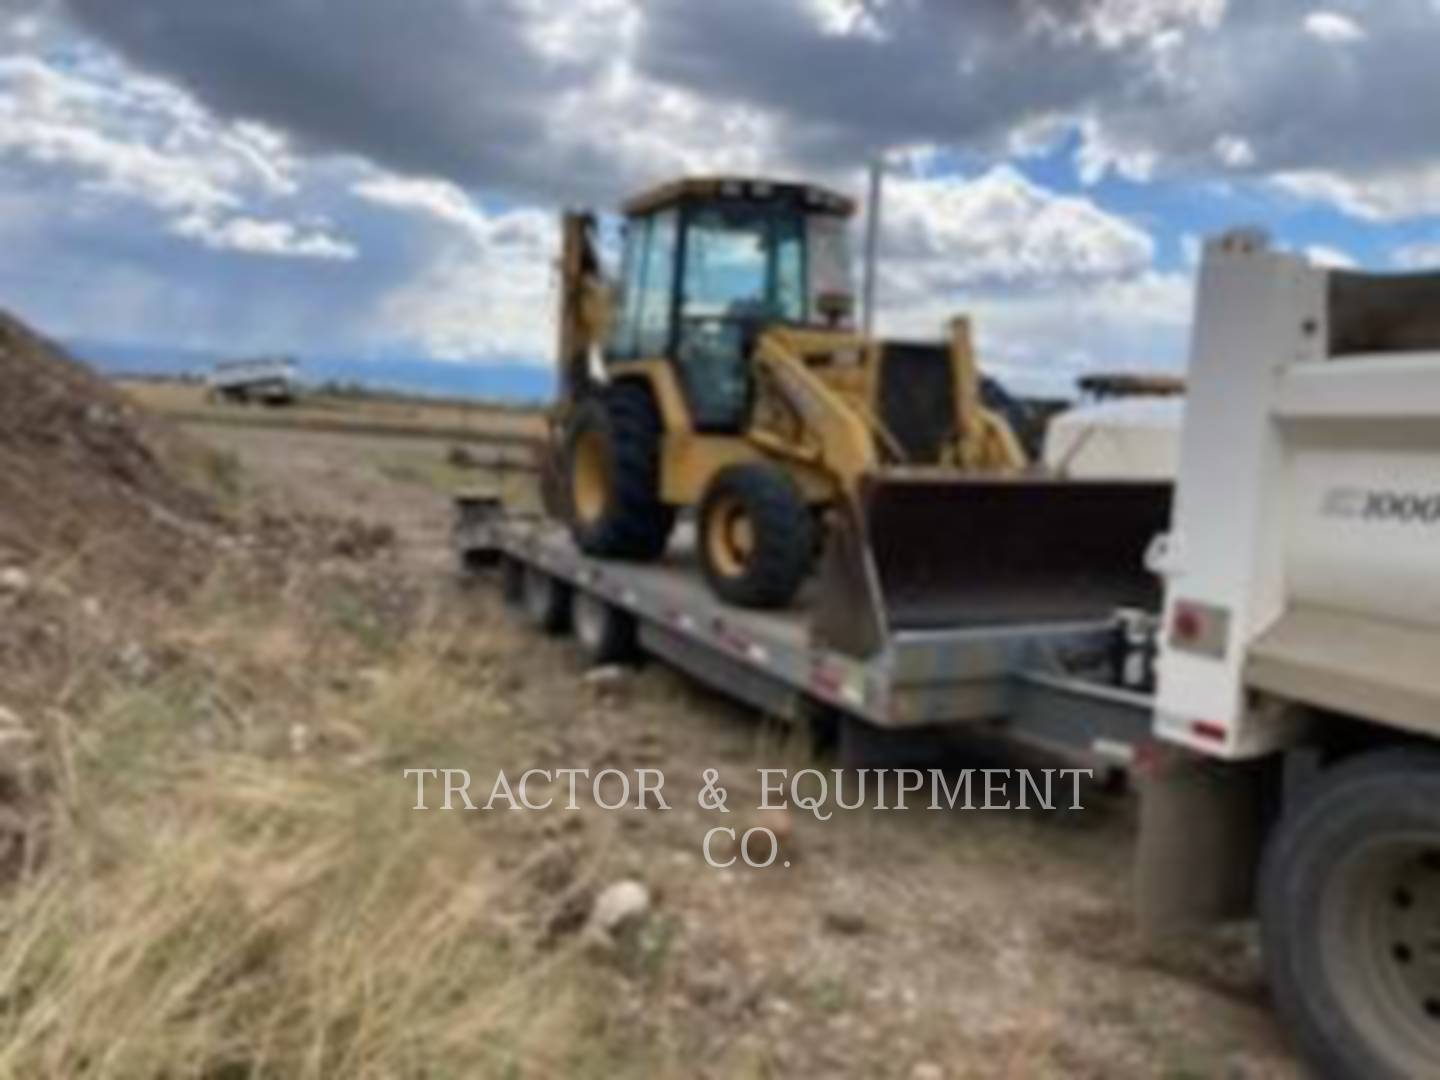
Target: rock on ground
{"type": "Point", "coordinates": [619, 907]}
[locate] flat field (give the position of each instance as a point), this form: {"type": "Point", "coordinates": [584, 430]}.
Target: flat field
{"type": "Point", "coordinates": [233, 881]}
{"type": "Point", "coordinates": [356, 413]}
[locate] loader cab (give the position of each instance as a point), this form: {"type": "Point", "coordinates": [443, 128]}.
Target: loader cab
{"type": "Point", "coordinates": [709, 264]}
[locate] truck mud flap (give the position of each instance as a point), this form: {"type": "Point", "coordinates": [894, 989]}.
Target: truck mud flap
{"type": "Point", "coordinates": [923, 552]}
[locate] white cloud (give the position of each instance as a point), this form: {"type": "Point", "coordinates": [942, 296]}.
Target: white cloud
{"type": "Point", "coordinates": [845, 18]}
{"type": "Point", "coordinates": [1041, 341]}
{"type": "Point", "coordinates": [1333, 28]}
{"type": "Point", "coordinates": [1332, 257]}
{"type": "Point", "coordinates": [437, 199]}
{"type": "Point", "coordinates": [1234, 151]}
{"type": "Point", "coordinates": [53, 118]}
{"type": "Point", "coordinates": [254, 236]}
{"type": "Point", "coordinates": [1383, 196]}
{"type": "Point", "coordinates": [1001, 228]}
{"type": "Point", "coordinates": [1191, 249]}
{"type": "Point", "coordinates": [580, 31]}
{"type": "Point", "coordinates": [545, 100]}
{"type": "Point", "coordinates": [1114, 24]}
{"type": "Point", "coordinates": [1424, 255]}
{"type": "Point", "coordinates": [1101, 152]}
{"type": "Point", "coordinates": [143, 141]}
{"type": "Point", "coordinates": [1056, 285]}
{"type": "Point", "coordinates": [488, 290]}
{"type": "Point", "coordinates": [496, 303]}
{"type": "Point", "coordinates": [528, 104]}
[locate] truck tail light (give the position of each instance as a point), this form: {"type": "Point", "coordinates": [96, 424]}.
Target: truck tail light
{"type": "Point", "coordinates": [1203, 629]}
{"type": "Point", "coordinates": [1208, 730]}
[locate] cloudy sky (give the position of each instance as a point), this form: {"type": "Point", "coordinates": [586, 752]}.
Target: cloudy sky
{"type": "Point", "coordinates": [381, 177]}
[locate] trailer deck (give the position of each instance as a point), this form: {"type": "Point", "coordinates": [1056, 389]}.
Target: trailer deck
{"type": "Point", "coordinates": [1043, 683]}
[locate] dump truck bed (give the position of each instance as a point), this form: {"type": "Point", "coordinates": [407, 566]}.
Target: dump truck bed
{"type": "Point", "coordinates": [1042, 682]}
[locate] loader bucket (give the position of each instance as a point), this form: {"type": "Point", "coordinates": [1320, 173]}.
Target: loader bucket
{"type": "Point", "coordinates": [926, 551]}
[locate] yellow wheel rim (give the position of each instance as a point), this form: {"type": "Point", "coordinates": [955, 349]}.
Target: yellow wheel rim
{"type": "Point", "coordinates": [729, 537]}
{"type": "Point", "coordinates": [589, 486]}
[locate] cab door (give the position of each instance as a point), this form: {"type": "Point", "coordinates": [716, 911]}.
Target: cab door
{"type": "Point", "coordinates": [742, 270]}
{"type": "Point", "coordinates": [645, 326]}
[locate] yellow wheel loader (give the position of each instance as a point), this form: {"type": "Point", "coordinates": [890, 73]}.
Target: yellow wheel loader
{"type": "Point", "coordinates": [722, 373]}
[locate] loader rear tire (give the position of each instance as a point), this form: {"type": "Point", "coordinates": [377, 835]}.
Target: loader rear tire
{"type": "Point", "coordinates": [757, 539]}
{"type": "Point", "coordinates": [612, 475]}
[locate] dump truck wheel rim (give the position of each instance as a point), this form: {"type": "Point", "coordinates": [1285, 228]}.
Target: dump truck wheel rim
{"type": "Point", "coordinates": [730, 537]}
{"type": "Point", "coordinates": [1381, 930]}
{"type": "Point", "coordinates": [589, 477]}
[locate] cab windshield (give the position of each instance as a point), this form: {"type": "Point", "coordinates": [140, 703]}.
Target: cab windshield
{"type": "Point", "coordinates": [744, 263]}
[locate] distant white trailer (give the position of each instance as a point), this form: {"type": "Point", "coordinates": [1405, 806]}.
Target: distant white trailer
{"type": "Point", "coordinates": [1129, 438]}
{"type": "Point", "coordinates": [267, 381]}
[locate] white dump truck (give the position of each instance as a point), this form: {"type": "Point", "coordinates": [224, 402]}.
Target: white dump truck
{"type": "Point", "coordinates": [267, 381]}
{"type": "Point", "coordinates": [1300, 645]}
{"type": "Point", "coordinates": [1275, 694]}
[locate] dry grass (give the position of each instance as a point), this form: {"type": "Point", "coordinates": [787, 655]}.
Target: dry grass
{"type": "Point", "coordinates": [219, 873]}
{"type": "Point", "coordinates": [225, 877]}
{"type": "Point", "coordinates": [233, 882]}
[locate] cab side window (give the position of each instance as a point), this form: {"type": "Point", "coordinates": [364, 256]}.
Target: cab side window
{"type": "Point", "coordinates": [625, 329]}
{"type": "Point", "coordinates": [645, 314]}
{"type": "Point", "coordinates": [657, 299]}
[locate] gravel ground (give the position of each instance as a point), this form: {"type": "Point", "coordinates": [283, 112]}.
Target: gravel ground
{"type": "Point", "coordinates": [909, 944]}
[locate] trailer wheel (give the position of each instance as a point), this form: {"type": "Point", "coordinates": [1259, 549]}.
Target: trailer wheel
{"type": "Point", "coordinates": [547, 601]}
{"type": "Point", "coordinates": [512, 582]}
{"type": "Point", "coordinates": [605, 632]}
{"type": "Point", "coordinates": [1350, 916]}
{"type": "Point", "coordinates": [756, 536]}
{"type": "Point", "coordinates": [612, 475]}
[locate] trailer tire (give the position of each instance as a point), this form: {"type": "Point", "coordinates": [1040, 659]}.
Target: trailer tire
{"type": "Point", "coordinates": [756, 536]}
{"type": "Point", "coordinates": [1349, 898]}
{"type": "Point", "coordinates": [512, 582]}
{"type": "Point", "coordinates": [546, 600]}
{"type": "Point", "coordinates": [606, 633]}
{"type": "Point", "coordinates": [611, 478]}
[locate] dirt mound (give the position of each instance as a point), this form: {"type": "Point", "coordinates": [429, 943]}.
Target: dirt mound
{"type": "Point", "coordinates": [85, 480]}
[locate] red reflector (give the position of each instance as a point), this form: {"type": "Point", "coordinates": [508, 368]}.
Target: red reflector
{"type": "Point", "coordinates": [1148, 758]}
{"type": "Point", "coordinates": [730, 638]}
{"type": "Point", "coordinates": [1208, 729]}
{"type": "Point", "coordinates": [1189, 624]}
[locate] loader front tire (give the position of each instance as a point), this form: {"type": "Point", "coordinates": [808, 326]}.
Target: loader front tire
{"type": "Point", "coordinates": [612, 474]}
{"type": "Point", "coordinates": [756, 536]}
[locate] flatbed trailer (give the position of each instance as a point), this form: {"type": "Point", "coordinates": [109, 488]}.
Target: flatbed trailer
{"type": "Point", "coordinates": [1055, 686]}
{"type": "Point", "coordinates": [1288, 759]}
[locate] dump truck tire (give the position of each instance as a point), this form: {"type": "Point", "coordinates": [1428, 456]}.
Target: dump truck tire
{"type": "Point", "coordinates": [1349, 898]}
{"type": "Point", "coordinates": [612, 474]}
{"type": "Point", "coordinates": [756, 536]}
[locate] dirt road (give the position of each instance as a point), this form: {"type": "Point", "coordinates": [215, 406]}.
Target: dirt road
{"type": "Point", "coordinates": [404, 482]}
{"type": "Point", "coordinates": [907, 944]}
